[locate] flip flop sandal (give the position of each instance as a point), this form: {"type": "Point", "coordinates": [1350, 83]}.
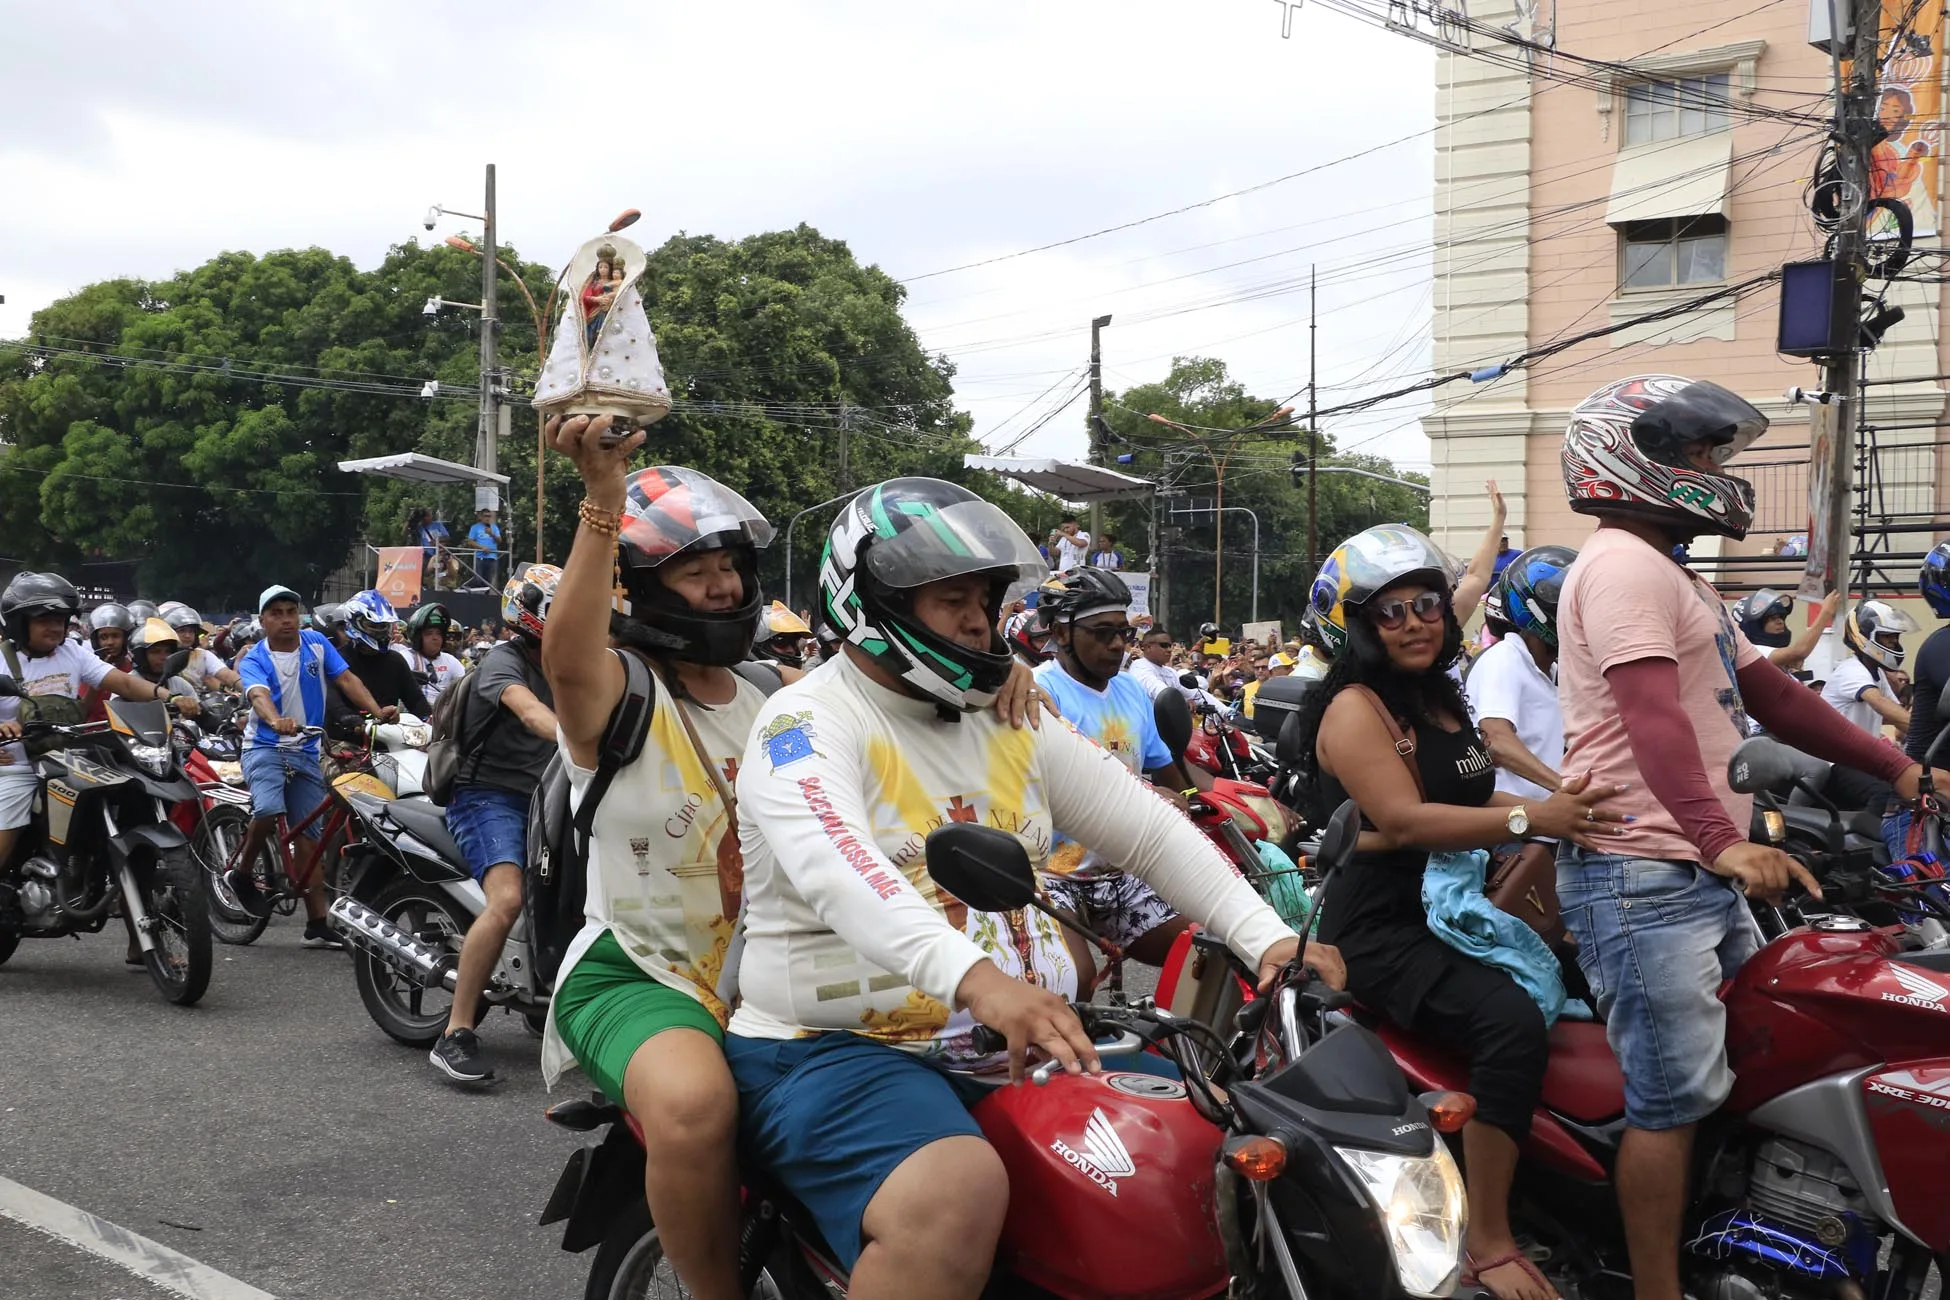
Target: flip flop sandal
{"type": "Point", "coordinates": [1473, 1271]}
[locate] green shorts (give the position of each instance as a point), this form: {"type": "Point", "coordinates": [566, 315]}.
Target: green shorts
{"type": "Point", "coordinates": [608, 1007]}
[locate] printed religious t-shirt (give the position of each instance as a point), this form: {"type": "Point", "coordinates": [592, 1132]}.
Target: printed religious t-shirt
{"type": "Point", "coordinates": [1118, 718]}
{"type": "Point", "coordinates": [1625, 601]}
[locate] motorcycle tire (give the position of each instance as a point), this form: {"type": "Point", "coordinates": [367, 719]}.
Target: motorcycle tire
{"type": "Point", "coordinates": [173, 894]}
{"type": "Point", "coordinates": [630, 1265]}
{"type": "Point", "coordinates": [395, 1005]}
{"type": "Point", "coordinates": [218, 835]}
{"type": "Point", "coordinates": [9, 939]}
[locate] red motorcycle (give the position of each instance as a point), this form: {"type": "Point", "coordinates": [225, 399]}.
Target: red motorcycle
{"type": "Point", "coordinates": [1274, 1165]}
{"type": "Point", "coordinates": [1821, 1176]}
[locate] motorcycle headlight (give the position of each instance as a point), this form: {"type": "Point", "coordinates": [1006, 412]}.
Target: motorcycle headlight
{"type": "Point", "coordinates": [1424, 1211]}
{"type": "Point", "coordinates": [229, 773]}
{"type": "Point", "coordinates": [153, 759]}
{"type": "Point", "coordinates": [418, 735]}
{"type": "Point", "coordinates": [1268, 820]}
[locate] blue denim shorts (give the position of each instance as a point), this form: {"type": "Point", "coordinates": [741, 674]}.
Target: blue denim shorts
{"type": "Point", "coordinates": [490, 825]}
{"type": "Point", "coordinates": [801, 1103]}
{"type": "Point", "coordinates": [1656, 939]}
{"type": "Point", "coordinates": [285, 782]}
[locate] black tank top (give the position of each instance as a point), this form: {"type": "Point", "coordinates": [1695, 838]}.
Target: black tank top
{"type": "Point", "coordinates": [1378, 895]}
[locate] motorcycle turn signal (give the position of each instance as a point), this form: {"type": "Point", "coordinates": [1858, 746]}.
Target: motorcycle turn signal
{"type": "Point", "coordinates": [1255, 1158]}
{"type": "Point", "coordinates": [1449, 1111]}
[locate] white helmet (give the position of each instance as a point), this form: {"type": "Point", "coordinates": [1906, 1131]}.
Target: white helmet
{"type": "Point", "coordinates": [1875, 629]}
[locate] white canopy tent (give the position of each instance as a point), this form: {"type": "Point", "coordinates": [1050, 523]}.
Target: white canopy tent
{"type": "Point", "coordinates": [413, 467]}
{"type": "Point", "coordinates": [1066, 480]}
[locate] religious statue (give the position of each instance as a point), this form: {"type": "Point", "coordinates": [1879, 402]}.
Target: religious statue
{"type": "Point", "coordinates": [603, 360]}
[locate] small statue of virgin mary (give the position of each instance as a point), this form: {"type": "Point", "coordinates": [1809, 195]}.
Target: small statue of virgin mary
{"type": "Point", "coordinates": [604, 358]}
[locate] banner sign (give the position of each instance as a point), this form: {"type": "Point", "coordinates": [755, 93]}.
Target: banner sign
{"type": "Point", "coordinates": [399, 575]}
{"type": "Point", "coordinates": [1819, 576]}
{"type": "Point", "coordinates": [1140, 585]}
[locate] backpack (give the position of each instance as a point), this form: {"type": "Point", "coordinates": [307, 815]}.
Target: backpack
{"type": "Point", "coordinates": [60, 710]}
{"type": "Point", "coordinates": [449, 749]}
{"type": "Point", "coordinates": [555, 888]}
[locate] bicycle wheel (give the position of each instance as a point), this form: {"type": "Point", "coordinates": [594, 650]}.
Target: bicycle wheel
{"type": "Point", "coordinates": [177, 903]}
{"type": "Point", "coordinates": [219, 838]}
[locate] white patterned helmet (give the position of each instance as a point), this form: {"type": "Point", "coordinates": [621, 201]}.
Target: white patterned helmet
{"type": "Point", "coordinates": [1624, 453]}
{"type": "Point", "coordinates": [1875, 628]}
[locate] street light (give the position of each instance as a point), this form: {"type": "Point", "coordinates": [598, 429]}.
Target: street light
{"type": "Point", "coordinates": [793, 523]}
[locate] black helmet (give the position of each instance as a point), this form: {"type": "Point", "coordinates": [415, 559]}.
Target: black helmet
{"type": "Point", "coordinates": [31, 595]}
{"type": "Point", "coordinates": [328, 620]}
{"type": "Point", "coordinates": [669, 512]}
{"type": "Point", "coordinates": [1079, 593]}
{"type": "Point", "coordinates": [901, 535]}
{"type": "Point", "coordinates": [1531, 585]}
{"type": "Point", "coordinates": [103, 617]}
{"type": "Point", "coordinates": [1752, 613]}
{"type": "Point", "coordinates": [426, 616]}
{"type": "Point", "coordinates": [1207, 631]}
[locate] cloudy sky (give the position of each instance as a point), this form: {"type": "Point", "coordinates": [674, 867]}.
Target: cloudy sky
{"type": "Point", "coordinates": [143, 138]}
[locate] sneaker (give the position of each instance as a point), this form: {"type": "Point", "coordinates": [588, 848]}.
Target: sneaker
{"type": "Point", "coordinates": [225, 897]}
{"type": "Point", "coordinates": [319, 935]}
{"type": "Point", "coordinates": [250, 899]}
{"type": "Point", "coordinates": [458, 1056]}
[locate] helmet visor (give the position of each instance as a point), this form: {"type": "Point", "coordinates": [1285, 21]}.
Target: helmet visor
{"type": "Point", "coordinates": [1699, 412]}
{"type": "Point", "coordinates": [671, 509]}
{"type": "Point", "coordinates": [1374, 560]}
{"type": "Point", "coordinates": [948, 542]}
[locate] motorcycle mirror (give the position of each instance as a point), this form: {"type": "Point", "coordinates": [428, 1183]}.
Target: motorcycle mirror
{"type": "Point", "coordinates": [1760, 763]}
{"type": "Point", "coordinates": [1342, 833]}
{"type": "Point", "coordinates": [176, 663]}
{"type": "Point", "coordinates": [985, 867]}
{"type": "Point", "coordinates": [9, 687]}
{"type": "Point", "coordinates": [1174, 718]}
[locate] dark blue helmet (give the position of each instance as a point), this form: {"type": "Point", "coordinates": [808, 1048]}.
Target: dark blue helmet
{"type": "Point", "coordinates": [1935, 579]}
{"type": "Point", "coordinates": [1531, 586]}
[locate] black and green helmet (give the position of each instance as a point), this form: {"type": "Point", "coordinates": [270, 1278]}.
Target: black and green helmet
{"type": "Point", "coordinates": [904, 534]}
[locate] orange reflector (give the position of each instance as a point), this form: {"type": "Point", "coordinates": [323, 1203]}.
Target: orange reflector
{"type": "Point", "coordinates": [1449, 1111]}
{"type": "Point", "coordinates": [1260, 1159]}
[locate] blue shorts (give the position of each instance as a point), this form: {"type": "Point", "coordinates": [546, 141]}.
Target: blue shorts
{"type": "Point", "coordinates": [1656, 939]}
{"type": "Point", "coordinates": [270, 770]}
{"type": "Point", "coordinates": [490, 825]}
{"type": "Point", "coordinates": [832, 1115]}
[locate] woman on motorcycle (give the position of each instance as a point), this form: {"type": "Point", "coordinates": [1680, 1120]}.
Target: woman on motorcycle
{"type": "Point", "coordinates": [150, 649]}
{"type": "Point", "coordinates": [1387, 593]}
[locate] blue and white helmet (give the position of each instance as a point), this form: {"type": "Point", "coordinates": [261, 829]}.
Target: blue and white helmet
{"type": "Point", "coordinates": [370, 619]}
{"type": "Point", "coordinates": [1934, 579]}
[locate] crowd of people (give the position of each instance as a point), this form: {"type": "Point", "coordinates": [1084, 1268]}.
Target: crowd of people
{"type": "Point", "coordinates": [1593, 715]}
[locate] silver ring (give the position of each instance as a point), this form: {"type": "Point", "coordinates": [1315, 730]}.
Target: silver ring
{"type": "Point", "coordinates": [1590, 815]}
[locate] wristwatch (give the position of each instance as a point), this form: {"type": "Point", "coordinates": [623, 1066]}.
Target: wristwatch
{"type": "Point", "coordinates": [1518, 821]}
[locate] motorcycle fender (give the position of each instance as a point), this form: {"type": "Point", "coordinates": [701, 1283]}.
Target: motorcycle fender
{"type": "Point", "coordinates": [147, 841]}
{"type": "Point", "coordinates": [597, 1184]}
{"type": "Point", "coordinates": [1909, 1118]}
{"type": "Point", "coordinates": [176, 789]}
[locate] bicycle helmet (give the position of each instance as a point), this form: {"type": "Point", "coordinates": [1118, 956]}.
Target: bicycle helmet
{"type": "Point", "coordinates": [526, 597]}
{"type": "Point", "coordinates": [1080, 593]}
{"type": "Point", "coordinates": [1752, 613]}
{"type": "Point", "coordinates": [370, 620]}
{"type": "Point", "coordinates": [1875, 630]}
{"type": "Point", "coordinates": [901, 535]}
{"type": "Point", "coordinates": [104, 617]}
{"type": "Point", "coordinates": [1934, 579]}
{"type": "Point", "coordinates": [141, 610]}
{"type": "Point", "coordinates": [31, 595]}
{"type": "Point", "coordinates": [1624, 453]}
{"type": "Point", "coordinates": [1364, 566]}
{"type": "Point", "coordinates": [1531, 585]}
{"type": "Point", "coordinates": [670, 512]}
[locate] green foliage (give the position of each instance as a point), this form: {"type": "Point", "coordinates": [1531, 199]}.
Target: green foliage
{"type": "Point", "coordinates": [1200, 394]}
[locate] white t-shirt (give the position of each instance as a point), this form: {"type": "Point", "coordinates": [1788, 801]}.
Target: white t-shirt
{"type": "Point", "coordinates": [285, 662]}
{"type": "Point", "coordinates": [203, 665]}
{"type": "Point", "coordinates": [65, 672]}
{"type": "Point", "coordinates": [1506, 683]}
{"type": "Point", "coordinates": [442, 671]}
{"type": "Point", "coordinates": [1071, 550]}
{"type": "Point", "coordinates": [1844, 687]}
{"type": "Point", "coordinates": [841, 783]}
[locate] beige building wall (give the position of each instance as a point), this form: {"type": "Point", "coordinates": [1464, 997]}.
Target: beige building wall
{"type": "Point", "coordinates": [1520, 153]}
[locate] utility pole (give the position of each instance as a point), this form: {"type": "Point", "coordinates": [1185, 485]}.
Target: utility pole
{"type": "Point", "coordinates": [846, 436]}
{"type": "Point", "coordinates": [1097, 446]}
{"type": "Point", "coordinates": [490, 426]}
{"type": "Point", "coordinates": [1313, 419]}
{"type": "Point", "coordinates": [1855, 119]}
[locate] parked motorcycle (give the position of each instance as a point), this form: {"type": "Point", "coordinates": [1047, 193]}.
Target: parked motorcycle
{"type": "Point", "coordinates": [1821, 1176]}
{"type": "Point", "coordinates": [102, 835]}
{"type": "Point", "coordinates": [407, 902]}
{"type": "Point", "coordinates": [1279, 1165]}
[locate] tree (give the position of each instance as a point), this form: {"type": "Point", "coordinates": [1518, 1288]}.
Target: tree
{"type": "Point", "coordinates": [1256, 470]}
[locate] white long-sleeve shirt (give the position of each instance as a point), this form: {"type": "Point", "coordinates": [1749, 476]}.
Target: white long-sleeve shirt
{"type": "Point", "coordinates": [845, 930]}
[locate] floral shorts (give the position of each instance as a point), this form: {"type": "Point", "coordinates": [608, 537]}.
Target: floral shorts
{"type": "Point", "coordinates": [1119, 906]}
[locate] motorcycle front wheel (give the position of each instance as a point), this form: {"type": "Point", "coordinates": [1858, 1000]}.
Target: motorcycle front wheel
{"type": "Point", "coordinates": [630, 1265]}
{"type": "Point", "coordinates": [176, 901]}
{"type": "Point", "coordinates": [218, 838]}
{"type": "Point", "coordinates": [414, 1015]}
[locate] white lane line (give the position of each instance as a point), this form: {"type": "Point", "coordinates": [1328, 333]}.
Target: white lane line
{"type": "Point", "coordinates": [150, 1260]}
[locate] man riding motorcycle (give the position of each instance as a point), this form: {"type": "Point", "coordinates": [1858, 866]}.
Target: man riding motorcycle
{"type": "Point", "coordinates": [369, 623]}
{"type": "Point", "coordinates": [149, 650]}
{"type": "Point", "coordinates": [204, 667]}
{"type": "Point", "coordinates": [428, 634]}
{"type": "Point", "coordinates": [109, 626]}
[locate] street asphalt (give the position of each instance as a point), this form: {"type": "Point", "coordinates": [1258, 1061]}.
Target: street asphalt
{"type": "Point", "coordinates": [271, 1132]}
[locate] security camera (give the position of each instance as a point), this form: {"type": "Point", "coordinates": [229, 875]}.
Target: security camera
{"type": "Point", "coordinates": [430, 389]}
{"type": "Point", "coordinates": [433, 306]}
{"type": "Point", "coordinates": [1813, 396]}
{"type": "Point", "coordinates": [433, 216]}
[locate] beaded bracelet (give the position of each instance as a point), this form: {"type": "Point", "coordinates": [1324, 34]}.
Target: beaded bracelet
{"type": "Point", "coordinates": [599, 520]}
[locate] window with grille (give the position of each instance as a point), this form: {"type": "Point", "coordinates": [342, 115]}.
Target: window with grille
{"type": "Point", "coordinates": [1678, 251]}
{"type": "Point", "coordinates": [1668, 110]}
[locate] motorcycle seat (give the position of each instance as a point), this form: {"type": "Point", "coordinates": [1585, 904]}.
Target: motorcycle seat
{"type": "Point", "coordinates": [1582, 1080]}
{"type": "Point", "coordinates": [1864, 822]}
{"type": "Point", "coordinates": [427, 821]}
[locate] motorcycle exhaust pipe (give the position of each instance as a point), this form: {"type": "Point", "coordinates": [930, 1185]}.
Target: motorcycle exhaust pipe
{"type": "Point", "coordinates": [420, 962]}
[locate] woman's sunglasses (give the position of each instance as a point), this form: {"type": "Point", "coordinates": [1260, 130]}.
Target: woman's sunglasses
{"type": "Point", "coordinates": [1390, 615]}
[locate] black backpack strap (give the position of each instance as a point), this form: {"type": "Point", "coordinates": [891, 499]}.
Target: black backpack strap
{"type": "Point", "coordinates": [622, 742]}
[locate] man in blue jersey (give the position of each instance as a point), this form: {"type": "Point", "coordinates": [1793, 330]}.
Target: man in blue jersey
{"type": "Point", "coordinates": [1087, 611]}
{"type": "Point", "coordinates": [284, 679]}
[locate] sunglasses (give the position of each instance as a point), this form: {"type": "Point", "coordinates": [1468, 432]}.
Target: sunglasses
{"type": "Point", "coordinates": [1108, 633]}
{"type": "Point", "coordinates": [1391, 615]}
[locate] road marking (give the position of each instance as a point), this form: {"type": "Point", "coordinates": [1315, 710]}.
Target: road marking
{"type": "Point", "coordinates": [150, 1260]}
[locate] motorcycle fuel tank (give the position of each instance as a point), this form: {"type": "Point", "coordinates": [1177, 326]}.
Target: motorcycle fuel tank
{"type": "Point", "coordinates": [1111, 1189]}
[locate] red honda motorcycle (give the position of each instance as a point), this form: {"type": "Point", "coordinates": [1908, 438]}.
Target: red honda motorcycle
{"type": "Point", "coordinates": [1821, 1176]}
{"type": "Point", "coordinates": [1273, 1165]}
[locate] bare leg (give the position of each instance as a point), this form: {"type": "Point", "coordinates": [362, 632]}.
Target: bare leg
{"type": "Point", "coordinates": [921, 1243]}
{"type": "Point", "coordinates": [1651, 1178]}
{"type": "Point", "coordinates": [1154, 945]}
{"type": "Point", "coordinates": [1491, 1157]}
{"type": "Point", "coordinates": [679, 1088]}
{"type": "Point", "coordinates": [481, 948]}
{"type": "Point", "coordinates": [8, 838]}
